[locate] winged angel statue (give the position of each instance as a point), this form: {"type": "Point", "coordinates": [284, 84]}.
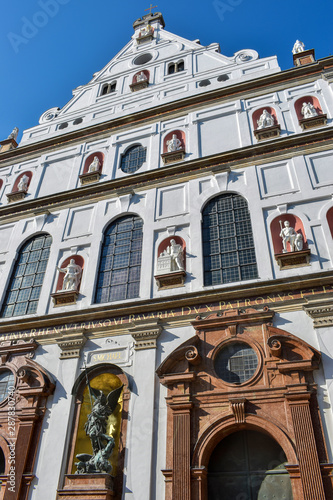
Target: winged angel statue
{"type": "Point", "coordinates": [95, 427]}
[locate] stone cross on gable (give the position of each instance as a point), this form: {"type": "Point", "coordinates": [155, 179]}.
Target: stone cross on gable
{"type": "Point", "coordinates": [151, 7]}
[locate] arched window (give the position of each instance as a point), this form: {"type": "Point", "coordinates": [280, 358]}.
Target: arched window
{"type": "Point", "coordinates": [26, 281]}
{"type": "Point", "coordinates": [120, 266]}
{"type": "Point", "coordinates": [176, 67]}
{"type": "Point", "coordinates": [248, 464]}
{"type": "Point", "coordinates": [228, 246]}
{"type": "Point", "coordinates": [133, 159]}
{"type": "Point", "coordinates": [108, 88]}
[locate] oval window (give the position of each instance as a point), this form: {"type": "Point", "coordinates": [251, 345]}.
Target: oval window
{"type": "Point", "coordinates": [143, 59]}
{"type": "Point", "coordinates": [236, 363]}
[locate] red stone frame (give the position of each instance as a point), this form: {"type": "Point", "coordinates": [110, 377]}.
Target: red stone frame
{"type": "Point", "coordinates": [33, 385]}
{"type": "Point", "coordinates": [78, 389]}
{"type": "Point", "coordinates": [279, 400]}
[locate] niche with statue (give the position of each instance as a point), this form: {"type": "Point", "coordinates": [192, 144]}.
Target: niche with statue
{"type": "Point", "coordinates": [170, 272]}
{"type": "Point", "coordinates": [309, 113]}
{"type": "Point", "coordinates": [265, 124]}
{"type": "Point", "coordinates": [289, 242]}
{"type": "Point", "coordinates": [92, 169]}
{"type": "Point", "coordinates": [20, 188]}
{"type": "Point", "coordinates": [173, 147]}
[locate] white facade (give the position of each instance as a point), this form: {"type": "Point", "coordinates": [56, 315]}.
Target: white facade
{"type": "Point", "coordinates": [222, 155]}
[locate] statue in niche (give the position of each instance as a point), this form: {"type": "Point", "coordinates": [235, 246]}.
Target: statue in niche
{"type": "Point", "coordinates": [174, 144]}
{"type": "Point", "coordinates": [289, 235]}
{"type": "Point", "coordinates": [145, 31]}
{"type": "Point", "coordinates": [96, 427]}
{"type": "Point", "coordinates": [23, 183]}
{"type": "Point", "coordinates": [298, 47]}
{"type": "Point", "coordinates": [308, 110]}
{"type": "Point", "coordinates": [265, 120]}
{"type": "Point", "coordinates": [141, 77]}
{"type": "Point", "coordinates": [174, 257]}
{"type": "Point", "coordinates": [94, 165]}
{"type": "Point", "coordinates": [13, 134]}
{"type": "Point", "coordinates": [72, 276]}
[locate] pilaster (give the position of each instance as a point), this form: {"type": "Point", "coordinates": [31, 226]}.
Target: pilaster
{"type": "Point", "coordinates": [141, 425]}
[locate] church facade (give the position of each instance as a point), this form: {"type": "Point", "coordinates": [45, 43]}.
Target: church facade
{"type": "Point", "coordinates": [167, 294]}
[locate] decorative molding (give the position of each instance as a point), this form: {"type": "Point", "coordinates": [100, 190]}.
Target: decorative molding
{"type": "Point", "coordinates": [173, 156]}
{"type": "Point", "coordinates": [320, 310]}
{"type": "Point", "coordinates": [145, 334]}
{"type": "Point", "coordinates": [89, 177]}
{"type": "Point", "coordinates": [16, 196]}
{"type": "Point", "coordinates": [171, 280]}
{"type": "Point", "coordinates": [313, 122]}
{"type": "Point", "coordinates": [64, 297]}
{"type": "Point", "coordinates": [71, 345]}
{"type": "Point", "coordinates": [267, 133]}
{"type": "Point", "coordinates": [304, 58]}
{"type": "Point", "coordinates": [289, 260]}
{"type": "Point", "coordinates": [139, 85]}
{"type": "Point", "coordinates": [238, 409]}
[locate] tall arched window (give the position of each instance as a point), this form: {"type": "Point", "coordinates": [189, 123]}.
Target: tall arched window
{"type": "Point", "coordinates": [120, 266]}
{"type": "Point", "coordinates": [133, 159]}
{"type": "Point", "coordinates": [228, 246]}
{"type": "Point", "coordinates": [26, 281]}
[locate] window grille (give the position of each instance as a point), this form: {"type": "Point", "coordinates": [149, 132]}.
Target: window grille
{"type": "Point", "coordinates": [133, 159]}
{"type": "Point", "coordinates": [228, 246]}
{"type": "Point", "coordinates": [120, 266]}
{"type": "Point", "coordinates": [26, 282]}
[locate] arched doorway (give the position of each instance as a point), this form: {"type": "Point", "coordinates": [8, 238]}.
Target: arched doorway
{"type": "Point", "coordinates": [248, 465]}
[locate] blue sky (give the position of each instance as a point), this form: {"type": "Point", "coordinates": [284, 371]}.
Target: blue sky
{"type": "Point", "coordinates": [49, 47]}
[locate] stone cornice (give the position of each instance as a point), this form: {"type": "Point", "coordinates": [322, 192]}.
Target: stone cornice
{"type": "Point", "coordinates": [189, 301]}
{"type": "Point", "coordinates": [279, 148]}
{"type": "Point", "coordinates": [320, 310]}
{"type": "Point", "coordinates": [242, 90]}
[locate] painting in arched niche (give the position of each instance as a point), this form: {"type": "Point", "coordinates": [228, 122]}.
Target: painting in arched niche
{"type": "Point", "coordinates": [104, 379]}
{"type": "Point", "coordinates": [171, 263]}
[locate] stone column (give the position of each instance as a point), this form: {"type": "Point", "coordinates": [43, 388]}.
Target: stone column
{"type": "Point", "coordinates": [141, 426]}
{"type": "Point", "coordinates": [181, 484]}
{"type": "Point", "coordinates": [306, 447]}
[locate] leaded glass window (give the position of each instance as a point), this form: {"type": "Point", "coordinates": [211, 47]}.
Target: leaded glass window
{"type": "Point", "coordinates": [236, 363]}
{"type": "Point", "coordinates": [228, 246]}
{"type": "Point", "coordinates": [133, 159]}
{"type": "Point", "coordinates": [6, 384]}
{"type": "Point", "coordinates": [26, 282]}
{"type": "Point", "coordinates": [120, 266]}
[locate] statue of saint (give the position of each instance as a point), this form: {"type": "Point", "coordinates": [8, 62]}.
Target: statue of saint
{"type": "Point", "coordinates": [174, 144]}
{"type": "Point", "coordinates": [308, 110]}
{"type": "Point", "coordinates": [299, 242]}
{"type": "Point", "coordinates": [13, 134]}
{"type": "Point", "coordinates": [298, 47]}
{"type": "Point", "coordinates": [288, 235]}
{"type": "Point", "coordinates": [23, 183]}
{"type": "Point", "coordinates": [72, 276]}
{"type": "Point", "coordinates": [141, 77]}
{"type": "Point", "coordinates": [265, 120]}
{"type": "Point", "coordinates": [94, 165]}
{"type": "Point", "coordinates": [145, 31]}
{"type": "Point", "coordinates": [96, 428]}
